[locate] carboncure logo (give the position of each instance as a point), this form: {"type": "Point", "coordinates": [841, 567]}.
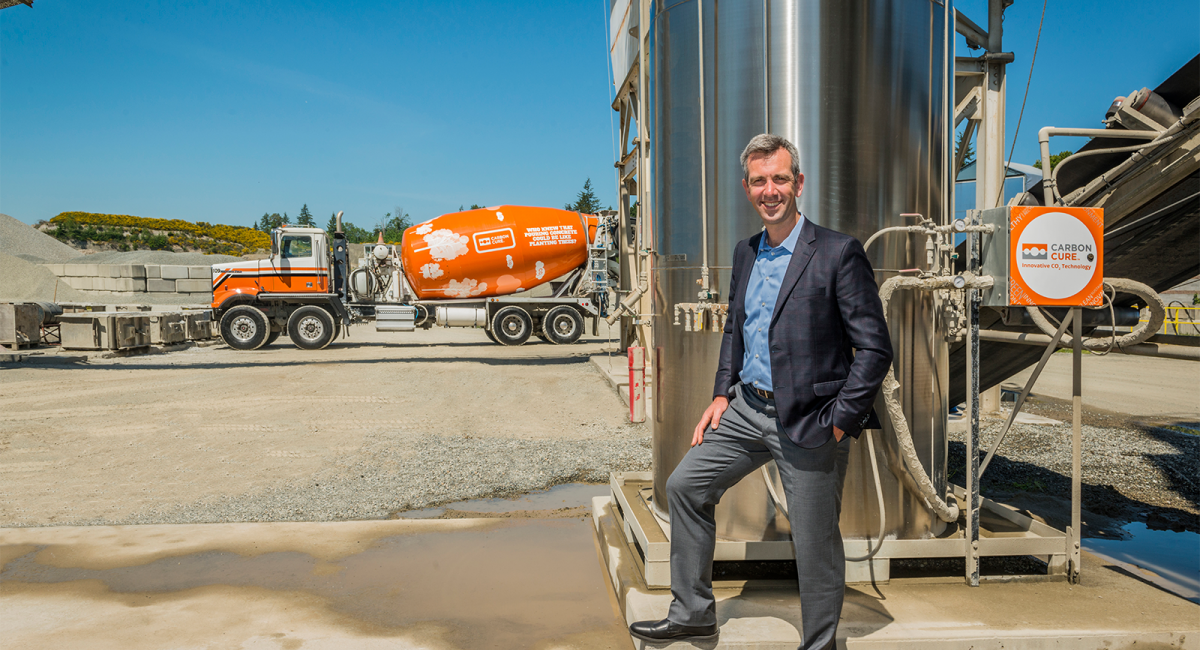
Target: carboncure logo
{"type": "Point", "coordinates": [1056, 256]}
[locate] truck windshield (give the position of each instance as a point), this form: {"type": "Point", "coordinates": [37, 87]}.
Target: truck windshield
{"type": "Point", "coordinates": [296, 246]}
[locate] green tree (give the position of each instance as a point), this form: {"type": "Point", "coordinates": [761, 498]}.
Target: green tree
{"type": "Point", "coordinates": [306, 219]}
{"type": "Point", "coordinates": [332, 225]}
{"type": "Point", "coordinates": [394, 224]}
{"type": "Point", "coordinates": [586, 201]}
{"type": "Point", "coordinates": [1054, 159]}
{"type": "Point", "coordinates": [269, 222]}
{"type": "Point", "coordinates": [959, 142]}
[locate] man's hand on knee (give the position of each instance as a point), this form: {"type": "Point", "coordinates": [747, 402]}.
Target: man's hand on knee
{"type": "Point", "coordinates": [712, 415]}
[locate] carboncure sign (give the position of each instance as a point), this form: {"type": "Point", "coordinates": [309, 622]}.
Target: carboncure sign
{"type": "Point", "coordinates": [1056, 256]}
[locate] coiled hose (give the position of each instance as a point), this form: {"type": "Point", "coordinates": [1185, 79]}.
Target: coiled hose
{"type": "Point", "coordinates": [1158, 313]}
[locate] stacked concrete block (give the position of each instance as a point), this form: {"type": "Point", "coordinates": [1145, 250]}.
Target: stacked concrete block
{"type": "Point", "coordinates": [192, 281]}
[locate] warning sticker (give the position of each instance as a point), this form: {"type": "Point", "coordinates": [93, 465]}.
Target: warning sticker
{"type": "Point", "coordinates": [551, 235]}
{"type": "Point", "coordinates": [1056, 256]}
{"type": "Point", "coordinates": [493, 240]}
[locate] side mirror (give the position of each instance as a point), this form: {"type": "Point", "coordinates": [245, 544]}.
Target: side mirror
{"type": "Point", "coordinates": [274, 243]}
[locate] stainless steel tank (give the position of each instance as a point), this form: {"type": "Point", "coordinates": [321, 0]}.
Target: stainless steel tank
{"type": "Point", "coordinates": [859, 87]}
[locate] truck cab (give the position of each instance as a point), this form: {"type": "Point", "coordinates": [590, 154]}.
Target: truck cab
{"type": "Point", "coordinates": [256, 301]}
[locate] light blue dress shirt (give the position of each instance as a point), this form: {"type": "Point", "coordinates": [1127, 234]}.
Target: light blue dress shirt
{"type": "Point", "coordinates": [770, 265]}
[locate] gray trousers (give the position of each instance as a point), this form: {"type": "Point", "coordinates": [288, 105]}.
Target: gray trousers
{"type": "Point", "coordinates": [749, 435]}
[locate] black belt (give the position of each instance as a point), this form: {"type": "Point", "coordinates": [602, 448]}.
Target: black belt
{"type": "Point", "coordinates": [765, 394]}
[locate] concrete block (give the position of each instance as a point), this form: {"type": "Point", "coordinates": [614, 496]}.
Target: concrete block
{"type": "Point", "coordinates": [75, 282]}
{"type": "Point", "coordinates": [110, 271]}
{"type": "Point", "coordinates": [161, 286]}
{"type": "Point", "coordinates": [193, 286]}
{"type": "Point", "coordinates": [133, 271]}
{"type": "Point", "coordinates": [56, 269]}
{"type": "Point", "coordinates": [174, 272]}
{"type": "Point", "coordinates": [200, 272]}
{"type": "Point", "coordinates": [108, 284]}
{"type": "Point", "coordinates": [73, 270]}
{"type": "Point", "coordinates": [131, 284]}
{"type": "Point", "coordinates": [153, 271]}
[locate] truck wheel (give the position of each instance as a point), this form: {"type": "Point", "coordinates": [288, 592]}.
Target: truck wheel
{"type": "Point", "coordinates": [272, 337]}
{"type": "Point", "coordinates": [563, 325]}
{"type": "Point", "coordinates": [310, 327]}
{"type": "Point", "coordinates": [491, 337]}
{"type": "Point", "coordinates": [245, 327]}
{"type": "Point", "coordinates": [512, 326]}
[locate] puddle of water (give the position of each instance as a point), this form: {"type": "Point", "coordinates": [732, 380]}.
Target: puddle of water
{"type": "Point", "coordinates": [520, 584]}
{"type": "Point", "coordinates": [1172, 559]}
{"type": "Point", "coordinates": [568, 495]}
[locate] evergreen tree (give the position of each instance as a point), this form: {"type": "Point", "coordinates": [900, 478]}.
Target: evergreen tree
{"type": "Point", "coordinates": [305, 219]}
{"type": "Point", "coordinates": [586, 202]}
{"type": "Point", "coordinates": [959, 143]}
{"type": "Point", "coordinates": [332, 225]}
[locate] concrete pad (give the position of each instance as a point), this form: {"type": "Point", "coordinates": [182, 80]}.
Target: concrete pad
{"type": "Point", "coordinates": [200, 273]}
{"type": "Point", "coordinates": [153, 271]}
{"type": "Point", "coordinates": [170, 272]}
{"type": "Point", "coordinates": [1109, 609]}
{"type": "Point", "coordinates": [1156, 389]}
{"type": "Point", "coordinates": [163, 286]}
{"type": "Point", "coordinates": [193, 286]}
{"type": "Point", "coordinates": [437, 584]}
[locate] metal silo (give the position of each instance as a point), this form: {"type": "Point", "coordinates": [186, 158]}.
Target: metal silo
{"type": "Point", "coordinates": [860, 87]}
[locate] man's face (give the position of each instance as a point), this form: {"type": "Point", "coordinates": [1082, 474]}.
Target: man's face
{"type": "Point", "coordinates": [771, 188]}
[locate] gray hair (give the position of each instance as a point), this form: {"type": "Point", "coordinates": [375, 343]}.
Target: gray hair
{"type": "Point", "coordinates": [767, 144]}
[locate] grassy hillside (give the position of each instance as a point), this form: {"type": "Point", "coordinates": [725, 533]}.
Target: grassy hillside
{"type": "Point", "coordinates": [126, 232]}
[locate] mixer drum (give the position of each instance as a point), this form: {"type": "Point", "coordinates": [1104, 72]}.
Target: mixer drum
{"type": "Point", "coordinates": [493, 251]}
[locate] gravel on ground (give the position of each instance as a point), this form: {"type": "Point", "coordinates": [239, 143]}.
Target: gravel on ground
{"type": "Point", "coordinates": [1131, 470]}
{"type": "Point", "coordinates": [374, 424]}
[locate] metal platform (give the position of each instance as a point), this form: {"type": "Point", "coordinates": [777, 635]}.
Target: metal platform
{"type": "Point", "coordinates": [1002, 532]}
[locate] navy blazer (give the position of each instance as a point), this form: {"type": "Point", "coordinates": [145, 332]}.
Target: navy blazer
{"type": "Point", "coordinates": [828, 308]}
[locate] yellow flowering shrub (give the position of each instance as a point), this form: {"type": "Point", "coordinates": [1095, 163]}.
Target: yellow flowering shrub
{"type": "Point", "coordinates": [248, 239]}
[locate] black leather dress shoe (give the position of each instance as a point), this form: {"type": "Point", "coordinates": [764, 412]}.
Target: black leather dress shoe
{"type": "Point", "coordinates": [665, 630]}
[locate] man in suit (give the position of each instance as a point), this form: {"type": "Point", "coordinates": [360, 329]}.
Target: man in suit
{"type": "Point", "coordinates": [802, 359]}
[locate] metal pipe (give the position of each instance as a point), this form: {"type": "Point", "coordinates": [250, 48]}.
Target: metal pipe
{"type": "Point", "coordinates": [1046, 132]}
{"type": "Point", "coordinates": [1163, 350]}
{"type": "Point", "coordinates": [974, 34]}
{"type": "Point", "coordinates": [704, 282]}
{"type": "Point", "coordinates": [1109, 177]}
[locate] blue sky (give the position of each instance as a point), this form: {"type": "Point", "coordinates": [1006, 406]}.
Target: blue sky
{"type": "Point", "coordinates": [221, 111]}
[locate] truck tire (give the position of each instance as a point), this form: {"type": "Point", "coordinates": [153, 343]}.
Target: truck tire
{"type": "Point", "coordinates": [491, 337]}
{"type": "Point", "coordinates": [272, 337]}
{"type": "Point", "coordinates": [563, 325]}
{"type": "Point", "coordinates": [311, 328]}
{"type": "Point", "coordinates": [245, 327]}
{"type": "Point", "coordinates": [512, 326]}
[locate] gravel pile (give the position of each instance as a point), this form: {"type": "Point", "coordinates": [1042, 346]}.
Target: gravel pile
{"type": "Point", "coordinates": [150, 257]}
{"type": "Point", "coordinates": [1128, 472]}
{"type": "Point", "coordinates": [20, 238]}
{"type": "Point", "coordinates": [400, 470]}
{"type": "Point", "coordinates": [25, 281]}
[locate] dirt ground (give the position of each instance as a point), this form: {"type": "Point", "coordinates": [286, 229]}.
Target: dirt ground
{"type": "Point", "coordinates": [141, 439]}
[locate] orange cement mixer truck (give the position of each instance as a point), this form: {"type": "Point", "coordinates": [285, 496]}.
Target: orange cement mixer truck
{"type": "Point", "coordinates": [478, 268]}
